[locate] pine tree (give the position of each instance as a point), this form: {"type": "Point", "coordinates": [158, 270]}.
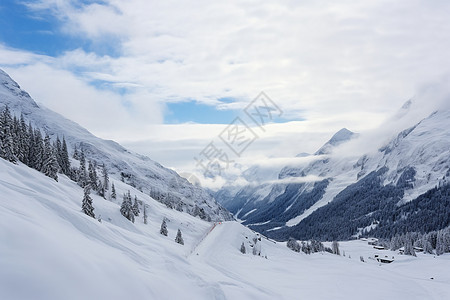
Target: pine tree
{"type": "Point", "coordinates": [396, 243]}
{"type": "Point", "coordinates": [24, 141]}
{"type": "Point", "coordinates": [440, 243]}
{"type": "Point", "coordinates": [30, 154]}
{"type": "Point", "coordinates": [82, 175]}
{"type": "Point", "coordinates": [93, 178]}
{"type": "Point", "coordinates": [179, 238]}
{"type": "Point", "coordinates": [126, 209]}
{"type": "Point", "coordinates": [409, 249]}
{"type": "Point", "coordinates": [163, 229]}
{"type": "Point", "coordinates": [15, 133]}
{"type": "Point", "coordinates": [136, 210]}
{"type": "Point", "coordinates": [38, 150]}
{"type": "Point", "coordinates": [6, 136]}
{"type": "Point", "coordinates": [49, 161]}
{"type": "Point", "coordinates": [58, 147]}
{"type": "Point", "coordinates": [105, 177]}
{"type": "Point", "coordinates": [335, 248]}
{"type": "Point", "coordinates": [76, 154]}
{"type": "Point", "coordinates": [101, 189]}
{"type": "Point", "coordinates": [113, 192]}
{"type": "Point", "coordinates": [65, 167]}
{"type": "Point", "coordinates": [255, 247]}
{"type": "Point", "coordinates": [293, 245]}
{"type": "Point", "coordinates": [243, 248]}
{"type": "Point", "coordinates": [145, 214]}
{"type": "Point", "coordinates": [86, 206]}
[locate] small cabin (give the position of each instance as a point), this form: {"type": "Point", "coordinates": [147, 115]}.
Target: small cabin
{"type": "Point", "coordinates": [378, 247]}
{"type": "Point", "coordinates": [372, 241]}
{"type": "Point", "coordinates": [385, 259]}
{"type": "Point", "coordinates": [418, 249]}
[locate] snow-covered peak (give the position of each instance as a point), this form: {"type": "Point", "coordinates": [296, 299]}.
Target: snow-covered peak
{"type": "Point", "coordinates": [337, 139]}
{"type": "Point", "coordinates": [12, 95]}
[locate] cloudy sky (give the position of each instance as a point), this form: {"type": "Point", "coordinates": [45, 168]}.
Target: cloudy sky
{"type": "Point", "coordinates": [165, 78]}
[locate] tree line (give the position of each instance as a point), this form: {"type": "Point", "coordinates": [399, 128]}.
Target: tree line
{"type": "Point", "coordinates": [19, 141]}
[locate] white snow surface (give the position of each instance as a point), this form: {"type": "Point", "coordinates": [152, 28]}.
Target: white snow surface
{"type": "Point", "coordinates": [50, 250]}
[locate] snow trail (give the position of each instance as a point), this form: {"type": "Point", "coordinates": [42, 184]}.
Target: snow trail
{"type": "Point", "coordinates": [195, 246]}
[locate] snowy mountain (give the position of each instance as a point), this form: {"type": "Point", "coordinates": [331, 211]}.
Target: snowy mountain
{"type": "Point", "coordinates": [280, 200]}
{"type": "Point", "coordinates": [352, 193]}
{"type": "Point", "coordinates": [337, 139]}
{"type": "Point", "coordinates": [50, 248]}
{"type": "Point", "coordinates": [139, 171]}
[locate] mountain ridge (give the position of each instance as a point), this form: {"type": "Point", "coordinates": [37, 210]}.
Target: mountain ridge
{"type": "Point", "coordinates": [414, 161]}
{"type": "Point", "coordinates": [135, 169]}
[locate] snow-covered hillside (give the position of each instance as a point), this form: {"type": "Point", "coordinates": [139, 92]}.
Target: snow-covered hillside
{"type": "Point", "coordinates": [49, 249]}
{"type": "Point", "coordinates": [135, 169]}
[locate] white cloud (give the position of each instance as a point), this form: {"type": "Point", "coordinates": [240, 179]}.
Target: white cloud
{"type": "Point", "coordinates": [325, 59]}
{"type": "Point", "coordinates": [100, 111]}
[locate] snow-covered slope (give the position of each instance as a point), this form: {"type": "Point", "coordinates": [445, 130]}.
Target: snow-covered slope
{"type": "Point", "coordinates": [50, 250]}
{"type": "Point", "coordinates": [138, 170]}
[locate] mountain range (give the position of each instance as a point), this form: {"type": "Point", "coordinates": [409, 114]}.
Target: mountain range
{"type": "Point", "coordinates": [382, 192]}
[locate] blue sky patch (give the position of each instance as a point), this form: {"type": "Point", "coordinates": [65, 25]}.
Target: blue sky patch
{"type": "Point", "coordinates": [192, 111]}
{"type": "Point", "coordinates": [39, 32]}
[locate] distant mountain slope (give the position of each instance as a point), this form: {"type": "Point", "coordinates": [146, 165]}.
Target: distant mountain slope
{"type": "Point", "coordinates": [139, 171]}
{"type": "Point", "coordinates": [274, 204]}
{"type": "Point", "coordinates": [355, 192]}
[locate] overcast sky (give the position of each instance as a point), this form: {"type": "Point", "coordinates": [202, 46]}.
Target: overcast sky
{"type": "Point", "coordinates": [166, 77]}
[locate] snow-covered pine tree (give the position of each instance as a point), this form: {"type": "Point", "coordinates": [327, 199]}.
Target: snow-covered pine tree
{"type": "Point", "coordinates": [15, 136]}
{"type": "Point", "coordinates": [6, 124]}
{"type": "Point", "coordinates": [113, 192]}
{"type": "Point", "coordinates": [440, 243]}
{"type": "Point", "coordinates": [82, 175]}
{"type": "Point", "coordinates": [86, 206]}
{"type": "Point", "coordinates": [30, 154]}
{"type": "Point", "coordinates": [163, 229]}
{"type": "Point", "coordinates": [396, 243]}
{"type": "Point", "coordinates": [76, 154]}
{"type": "Point", "coordinates": [179, 238]}
{"type": "Point", "coordinates": [24, 141]}
{"type": "Point", "coordinates": [126, 209]}
{"type": "Point", "coordinates": [335, 248]}
{"type": "Point", "coordinates": [145, 214]}
{"type": "Point", "coordinates": [101, 189]}
{"type": "Point", "coordinates": [243, 248]}
{"type": "Point", "coordinates": [65, 167]}
{"type": "Point", "coordinates": [49, 161]}
{"type": "Point", "coordinates": [93, 178]}
{"type": "Point", "coordinates": [409, 249]}
{"type": "Point", "coordinates": [254, 250]}
{"type": "Point", "coordinates": [58, 147]}
{"type": "Point", "coordinates": [426, 245]}
{"type": "Point", "coordinates": [105, 177]}
{"type": "Point", "coordinates": [38, 150]}
{"type": "Point", "coordinates": [293, 245]}
{"type": "Point", "coordinates": [136, 210]}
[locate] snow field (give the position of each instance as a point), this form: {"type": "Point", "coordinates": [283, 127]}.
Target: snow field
{"type": "Point", "coordinates": [50, 250]}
